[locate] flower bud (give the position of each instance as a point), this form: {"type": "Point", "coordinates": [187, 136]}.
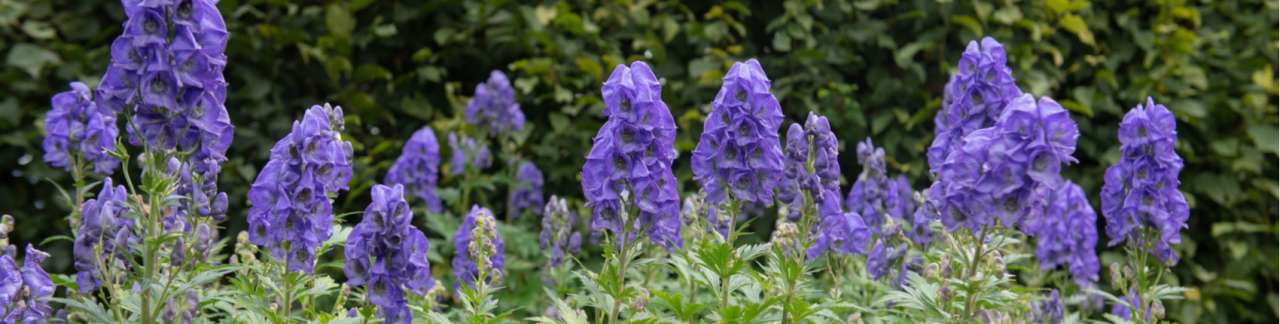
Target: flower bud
{"type": "Point", "coordinates": [1157, 309]}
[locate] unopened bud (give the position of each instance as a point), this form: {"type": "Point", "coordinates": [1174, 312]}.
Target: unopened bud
{"type": "Point", "coordinates": [1116, 279]}
{"type": "Point", "coordinates": [854, 318]}
{"type": "Point", "coordinates": [1128, 273]}
{"type": "Point", "coordinates": [1157, 309]}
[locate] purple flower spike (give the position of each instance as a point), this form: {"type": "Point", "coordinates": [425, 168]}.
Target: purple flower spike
{"type": "Point", "coordinates": [798, 179]}
{"type": "Point", "coordinates": [388, 255]}
{"type": "Point", "coordinates": [632, 153]}
{"type": "Point", "coordinates": [526, 194]}
{"type": "Point", "coordinates": [104, 238]}
{"type": "Point", "coordinates": [25, 292]}
{"type": "Point", "coordinates": [837, 231]}
{"type": "Point", "coordinates": [974, 98]}
{"type": "Point", "coordinates": [1006, 171]}
{"type": "Point", "coordinates": [1066, 234]}
{"type": "Point", "coordinates": [79, 129]}
{"type": "Point", "coordinates": [418, 167]}
{"type": "Point", "coordinates": [558, 234]}
{"type": "Point", "coordinates": [1141, 190]}
{"type": "Point", "coordinates": [467, 151]}
{"type": "Point", "coordinates": [739, 153]}
{"type": "Point", "coordinates": [291, 200]}
{"type": "Point", "coordinates": [494, 106]}
{"type": "Point", "coordinates": [166, 68]}
{"type": "Point", "coordinates": [478, 240]}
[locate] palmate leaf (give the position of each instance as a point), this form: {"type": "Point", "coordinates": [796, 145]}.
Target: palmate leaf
{"type": "Point", "coordinates": [95, 311]}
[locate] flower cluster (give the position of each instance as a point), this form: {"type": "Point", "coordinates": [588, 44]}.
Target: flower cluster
{"type": "Point", "coordinates": [1066, 235]}
{"type": "Point", "coordinates": [167, 66]}
{"type": "Point", "coordinates": [291, 198]}
{"type": "Point", "coordinates": [883, 256]}
{"type": "Point", "coordinates": [478, 247]}
{"type": "Point", "coordinates": [417, 168]}
{"type": "Point", "coordinates": [975, 96]}
{"type": "Point", "coordinates": [1141, 190]}
{"type": "Point", "coordinates": [25, 292]}
{"type": "Point", "coordinates": [526, 193]}
{"type": "Point", "coordinates": [870, 192]}
{"type": "Point", "coordinates": [1048, 310]}
{"type": "Point", "coordinates": [182, 308]}
{"type": "Point", "coordinates": [739, 153]}
{"type": "Point", "coordinates": [104, 237]}
{"type": "Point", "coordinates": [558, 233]}
{"type": "Point", "coordinates": [200, 189]}
{"type": "Point", "coordinates": [812, 163]}
{"type": "Point", "coordinates": [630, 162]}
{"type": "Point", "coordinates": [388, 255]}
{"type": "Point", "coordinates": [1006, 170]}
{"type": "Point", "coordinates": [80, 130]}
{"type": "Point", "coordinates": [837, 231]}
{"type": "Point", "coordinates": [466, 150]}
{"type": "Point", "coordinates": [494, 106]}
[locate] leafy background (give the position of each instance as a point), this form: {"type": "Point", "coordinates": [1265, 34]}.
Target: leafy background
{"type": "Point", "coordinates": [876, 68]}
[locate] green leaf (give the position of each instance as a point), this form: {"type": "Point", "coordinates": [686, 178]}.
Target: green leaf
{"type": "Point", "coordinates": [31, 58]}
{"type": "Point", "coordinates": [1075, 24]}
{"type": "Point", "coordinates": [781, 41]}
{"type": "Point", "coordinates": [1265, 137]}
{"type": "Point", "coordinates": [339, 21]}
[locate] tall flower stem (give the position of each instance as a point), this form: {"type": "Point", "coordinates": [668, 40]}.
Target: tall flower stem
{"type": "Point", "coordinates": [623, 259]}
{"type": "Point", "coordinates": [972, 299]}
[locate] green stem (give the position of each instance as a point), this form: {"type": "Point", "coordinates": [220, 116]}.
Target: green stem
{"type": "Point", "coordinates": [973, 271]}
{"type": "Point", "coordinates": [623, 259]}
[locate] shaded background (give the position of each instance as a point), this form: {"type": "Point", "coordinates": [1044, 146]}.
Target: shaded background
{"type": "Point", "coordinates": [875, 68]}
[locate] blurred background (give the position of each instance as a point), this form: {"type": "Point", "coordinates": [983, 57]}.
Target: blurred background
{"type": "Point", "coordinates": [875, 68]}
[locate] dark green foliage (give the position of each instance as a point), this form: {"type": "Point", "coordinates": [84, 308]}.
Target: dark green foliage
{"type": "Point", "coordinates": [875, 68]}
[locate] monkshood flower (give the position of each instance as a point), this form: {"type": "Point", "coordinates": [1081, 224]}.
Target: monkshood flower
{"type": "Point", "coordinates": [25, 292]}
{"type": "Point", "coordinates": [467, 150]}
{"type": "Point", "coordinates": [869, 193]}
{"type": "Point", "coordinates": [738, 154]}
{"type": "Point", "coordinates": [921, 233]}
{"type": "Point", "coordinates": [1127, 313]}
{"type": "Point", "coordinates": [1066, 234]}
{"type": "Point", "coordinates": [1006, 171]}
{"type": "Point", "coordinates": [200, 189]}
{"type": "Point", "coordinates": [629, 166]}
{"type": "Point", "coordinates": [973, 99]}
{"type": "Point", "coordinates": [182, 308]}
{"type": "Point", "coordinates": [494, 106]}
{"type": "Point", "coordinates": [105, 235]}
{"type": "Point", "coordinates": [388, 255]}
{"type": "Point", "coordinates": [526, 194]}
{"type": "Point", "coordinates": [837, 231]}
{"type": "Point", "coordinates": [167, 68]}
{"type": "Point", "coordinates": [1141, 190]}
{"type": "Point", "coordinates": [80, 130]}
{"type": "Point", "coordinates": [478, 246]}
{"type": "Point", "coordinates": [291, 200]}
{"type": "Point", "coordinates": [558, 234]}
{"type": "Point", "coordinates": [1048, 310]}
{"type": "Point", "coordinates": [417, 168]}
{"type": "Point", "coordinates": [815, 139]}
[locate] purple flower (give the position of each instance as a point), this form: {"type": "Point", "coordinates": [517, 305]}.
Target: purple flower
{"type": "Point", "coordinates": [25, 292]}
{"type": "Point", "coordinates": [882, 258]}
{"type": "Point", "coordinates": [291, 200]}
{"type": "Point", "coordinates": [467, 151]}
{"type": "Point", "coordinates": [388, 255]}
{"type": "Point", "coordinates": [633, 153]}
{"type": "Point", "coordinates": [1141, 190]}
{"type": "Point", "coordinates": [1006, 171]}
{"type": "Point", "coordinates": [973, 99]}
{"type": "Point", "coordinates": [526, 193]}
{"type": "Point", "coordinates": [921, 233]}
{"type": "Point", "coordinates": [167, 68]}
{"type": "Point", "coordinates": [1127, 313]}
{"type": "Point", "coordinates": [816, 138]}
{"type": "Point", "coordinates": [1048, 310]}
{"type": "Point", "coordinates": [738, 154]}
{"type": "Point", "coordinates": [869, 193]}
{"type": "Point", "coordinates": [80, 130]}
{"type": "Point", "coordinates": [494, 106]}
{"type": "Point", "coordinates": [104, 236]}
{"type": "Point", "coordinates": [837, 231]}
{"type": "Point", "coordinates": [417, 168]}
{"type": "Point", "coordinates": [558, 234]}
{"type": "Point", "coordinates": [478, 240]}
{"type": "Point", "coordinates": [1066, 234]}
